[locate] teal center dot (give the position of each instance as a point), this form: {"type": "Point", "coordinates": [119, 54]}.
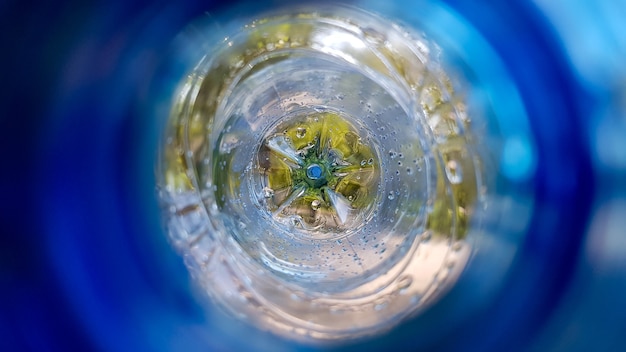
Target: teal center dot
{"type": "Point", "coordinates": [314, 172]}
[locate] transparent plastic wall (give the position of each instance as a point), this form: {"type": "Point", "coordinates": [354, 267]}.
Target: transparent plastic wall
{"type": "Point", "coordinates": [362, 175]}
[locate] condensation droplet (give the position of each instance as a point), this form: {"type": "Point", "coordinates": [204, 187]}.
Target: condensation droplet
{"type": "Point", "coordinates": [454, 172]}
{"type": "Point", "coordinates": [416, 299]}
{"type": "Point", "coordinates": [380, 305]}
{"type": "Point", "coordinates": [334, 310]}
{"type": "Point", "coordinates": [268, 192]}
{"type": "Point", "coordinates": [300, 132]}
{"type": "Point", "coordinates": [295, 297]}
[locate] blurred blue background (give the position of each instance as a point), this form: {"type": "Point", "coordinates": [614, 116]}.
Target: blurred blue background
{"type": "Point", "coordinates": [84, 263]}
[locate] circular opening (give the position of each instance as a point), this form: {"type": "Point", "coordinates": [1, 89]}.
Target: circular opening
{"type": "Point", "coordinates": [319, 174]}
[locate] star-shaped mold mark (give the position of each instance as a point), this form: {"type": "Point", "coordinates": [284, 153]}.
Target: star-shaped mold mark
{"type": "Point", "coordinates": [318, 170]}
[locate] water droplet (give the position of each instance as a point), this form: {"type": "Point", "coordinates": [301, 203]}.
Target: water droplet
{"type": "Point", "coordinates": [380, 305]}
{"type": "Point", "coordinates": [370, 161]}
{"type": "Point", "coordinates": [416, 299]}
{"type": "Point", "coordinates": [268, 192]}
{"type": "Point", "coordinates": [454, 172]}
{"type": "Point", "coordinates": [270, 46]}
{"type": "Point", "coordinates": [409, 171]}
{"type": "Point", "coordinates": [334, 310]}
{"type": "Point", "coordinates": [295, 297]}
{"type": "Point", "coordinates": [300, 132]}
{"type": "Point", "coordinates": [315, 204]}
{"type": "Point", "coordinates": [391, 195]}
{"type": "Point", "coordinates": [392, 154]}
{"type": "Point", "coordinates": [363, 162]}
